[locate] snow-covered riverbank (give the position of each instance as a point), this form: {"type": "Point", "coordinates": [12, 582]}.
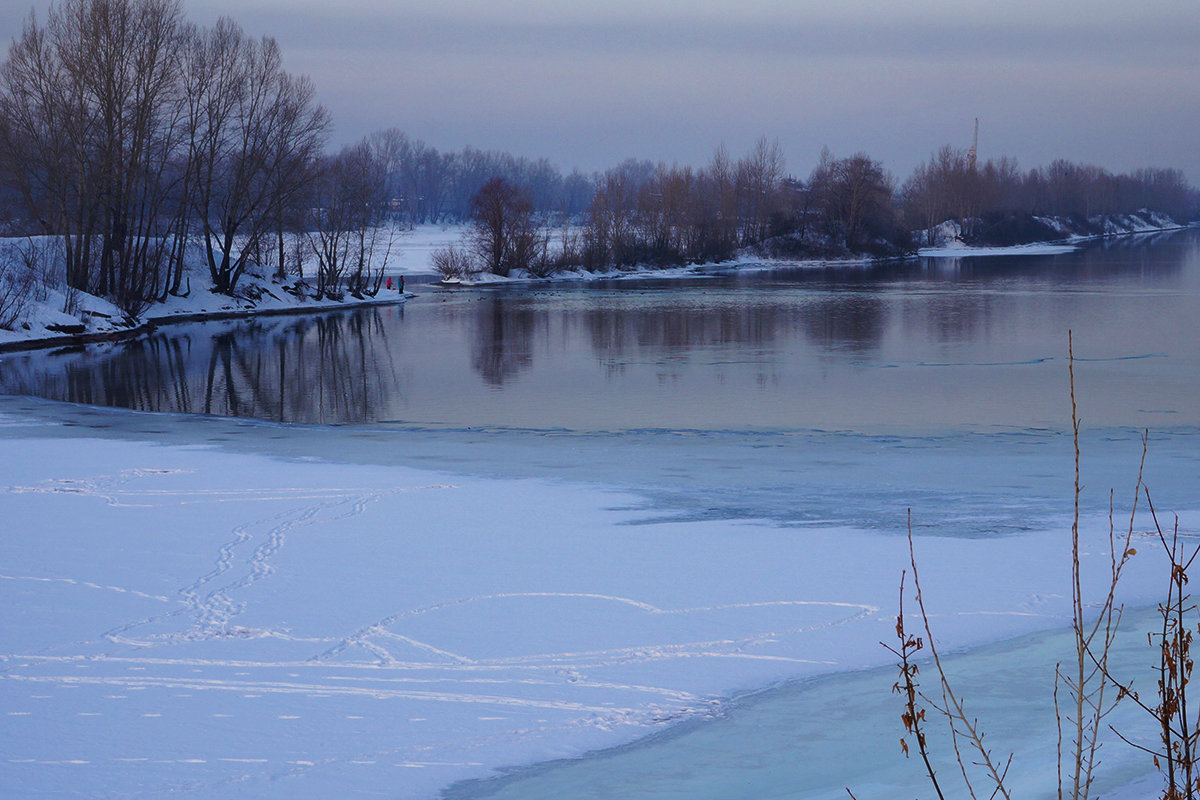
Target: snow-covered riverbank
{"type": "Point", "coordinates": [1063, 235]}
{"type": "Point", "coordinates": [52, 316]}
{"type": "Point", "coordinates": [56, 319]}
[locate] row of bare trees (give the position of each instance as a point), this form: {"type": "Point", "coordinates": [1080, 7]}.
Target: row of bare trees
{"type": "Point", "coordinates": [990, 199]}
{"type": "Point", "coordinates": [128, 132]}
{"type": "Point", "coordinates": [346, 224]}
{"type": "Point", "coordinates": [429, 186]}
{"type": "Point", "coordinates": [643, 214]}
{"type": "Point", "coordinates": [679, 215]}
{"type": "Point", "coordinates": [658, 215]}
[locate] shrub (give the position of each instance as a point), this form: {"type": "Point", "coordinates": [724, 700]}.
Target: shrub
{"type": "Point", "coordinates": [452, 262]}
{"type": "Point", "coordinates": [24, 278]}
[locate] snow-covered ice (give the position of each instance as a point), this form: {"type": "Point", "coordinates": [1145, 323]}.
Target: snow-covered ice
{"type": "Point", "coordinates": [212, 623]}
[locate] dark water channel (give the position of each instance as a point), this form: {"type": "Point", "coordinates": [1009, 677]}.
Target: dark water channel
{"type": "Point", "coordinates": [974, 343]}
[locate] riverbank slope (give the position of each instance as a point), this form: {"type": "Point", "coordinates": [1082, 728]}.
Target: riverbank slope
{"type": "Point", "coordinates": [53, 316]}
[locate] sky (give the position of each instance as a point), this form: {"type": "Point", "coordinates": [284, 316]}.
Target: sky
{"type": "Point", "coordinates": [589, 83]}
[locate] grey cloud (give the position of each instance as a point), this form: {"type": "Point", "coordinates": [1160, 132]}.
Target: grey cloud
{"type": "Point", "coordinates": [1147, 39]}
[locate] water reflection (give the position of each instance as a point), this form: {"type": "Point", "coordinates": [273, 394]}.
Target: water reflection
{"type": "Point", "coordinates": [852, 321]}
{"type": "Point", "coordinates": [328, 368]}
{"type": "Point", "coordinates": [847, 347]}
{"type": "Point", "coordinates": [502, 342]}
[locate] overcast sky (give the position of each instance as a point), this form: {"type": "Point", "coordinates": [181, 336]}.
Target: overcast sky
{"type": "Point", "coordinates": [587, 83]}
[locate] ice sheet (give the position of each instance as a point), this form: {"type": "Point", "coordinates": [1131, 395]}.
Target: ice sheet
{"type": "Point", "coordinates": [215, 623]}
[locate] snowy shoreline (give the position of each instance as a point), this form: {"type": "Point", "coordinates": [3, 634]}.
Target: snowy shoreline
{"type": "Point", "coordinates": [98, 320]}
{"type": "Point", "coordinates": [751, 263]}
{"type": "Point", "coordinates": [1058, 247]}
{"type": "Point", "coordinates": [152, 323]}
{"type": "Point", "coordinates": [67, 318]}
{"type": "Point", "coordinates": [95, 319]}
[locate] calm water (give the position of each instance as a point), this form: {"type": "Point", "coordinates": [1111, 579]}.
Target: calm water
{"type": "Point", "coordinates": [972, 344]}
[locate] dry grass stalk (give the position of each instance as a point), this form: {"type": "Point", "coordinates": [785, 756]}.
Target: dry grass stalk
{"type": "Point", "coordinates": [1179, 732]}
{"type": "Point", "coordinates": [1087, 679]}
{"type": "Point", "coordinates": [913, 717]}
{"type": "Point", "coordinates": [1179, 729]}
{"type": "Point", "coordinates": [965, 731]}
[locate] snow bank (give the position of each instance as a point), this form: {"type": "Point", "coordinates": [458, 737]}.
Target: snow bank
{"type": "Point", "coordinates": [958, 249]}
{"type": "Point", "coordinates": [53, 314]}
{"type": "Point", "coordinates": [945, 241]}
{"type": "Point", "coordinates": [211, 625]}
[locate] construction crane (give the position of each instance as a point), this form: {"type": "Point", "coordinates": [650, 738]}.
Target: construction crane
{"type": "Point", "coordinates": [971, 154]}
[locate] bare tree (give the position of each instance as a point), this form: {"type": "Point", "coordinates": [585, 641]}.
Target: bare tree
{"type": "Point", "coordinates": [21, 281]}
{"type": "Point", "coordinates": [45, 144]}
{"type": "Point", "coordinates": [855, 198]}
{"type": "Point", "coordinates": [610, 238]}
{"type": "Point", "coordinates": [347, 226]}
{"type": "Point", "coordinates": [254, 132]}
{"type": "Point", "coordinates": [89, 109]}
{"type": "Point", "coordinates": [664, 215]}
{"type": "Point", "coordinates": [759, 178]}
{"type": "Point", "coordinates": [721, 186]}
{"type": "Point", "coordinates": [503, 233]}
{"type": "Point", "coordinates": [134, 64]}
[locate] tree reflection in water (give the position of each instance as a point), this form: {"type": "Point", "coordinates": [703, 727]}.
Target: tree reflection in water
{"type": "Point", "coordinates": [750, 324]}
{"type": "Point", "coordinates": [504, 334]}
{"type": "Point", "coordinates": [322, 369]}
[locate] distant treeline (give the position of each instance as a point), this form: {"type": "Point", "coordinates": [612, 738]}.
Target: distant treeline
{"type": "Point", "coordinates": [136, 137]}
{"type": "Point", "coordinates": [659, 215]}
{"type": "Point", "coordinates": [994, 200]}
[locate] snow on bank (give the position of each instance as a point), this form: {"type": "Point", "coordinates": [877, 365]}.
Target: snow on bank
{"type": "Point", "coordinates": [214, 625]}
{"type": "Point", "coordinates": [613, 274]}
{"type": "Point", "coordinates": [958, 249]}
{"type": "Point", "coordinates": [53, 315]}
{"type": "Point", "coordinates": [59, 316]}
{"type": "Point", "coordinates": [947, 241]}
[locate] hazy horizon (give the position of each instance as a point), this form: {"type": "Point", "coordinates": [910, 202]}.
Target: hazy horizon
{"type": "Point", "coordinates": [592, 84]}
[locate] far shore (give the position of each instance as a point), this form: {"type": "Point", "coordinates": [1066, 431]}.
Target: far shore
{"type": "Point", "coordinates": [749, 262]}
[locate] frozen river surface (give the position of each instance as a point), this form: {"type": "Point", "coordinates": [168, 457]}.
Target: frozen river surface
{"type": "Point", "coordinates": [388, 554]}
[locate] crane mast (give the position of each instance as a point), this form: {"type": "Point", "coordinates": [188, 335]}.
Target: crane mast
{"type": "Point", "coordinates": [971, 154]}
